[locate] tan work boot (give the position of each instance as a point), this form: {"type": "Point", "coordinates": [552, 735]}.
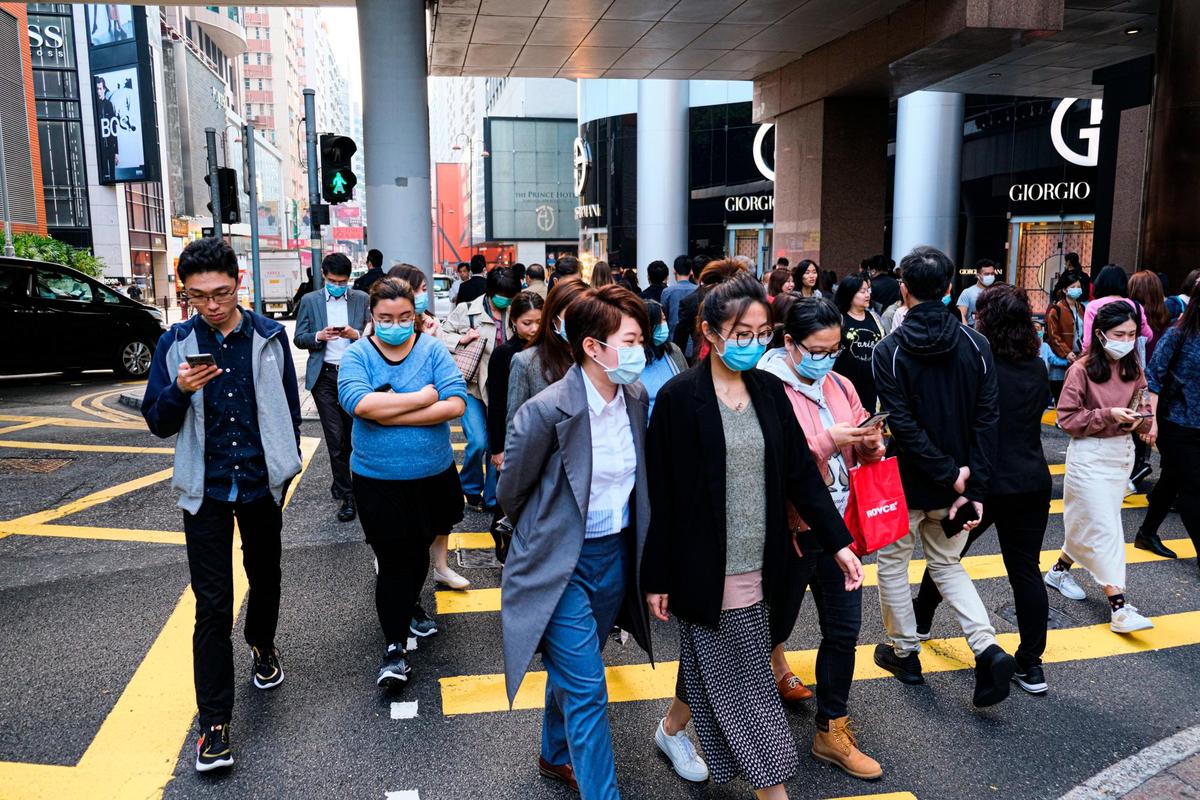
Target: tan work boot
{"type": "Point", "coordinates": [839, 747]}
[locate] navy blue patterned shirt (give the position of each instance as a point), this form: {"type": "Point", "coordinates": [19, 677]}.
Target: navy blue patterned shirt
{"type": "Point", "coordinates": [1181, 407]}
{"type": "Point", "coordinates": [234, 466]}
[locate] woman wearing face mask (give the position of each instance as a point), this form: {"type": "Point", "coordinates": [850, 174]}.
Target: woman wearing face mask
{"type": "Point", "coordinates": [1100, 406]}
{"type": "Point", "coordinates": [663, 359]}
{"type": "Point", "coordinates": [719, 554]}
{"type": "Point", "coordinates": [525, 317]}
{"type": "Point", "coordinates": [402, 388]}
{"type": "Point", "coordinates": [426, 322]}
{"type": "Point", "coordinates": [486, 318]}
{"type": "Point", "coordinates": [574, 485]}
{"type": "Point", "coordinates": [827, 407]}
{"type": "Point", "coordinates": [1112, 286]}
{"type": "Point", "coordinates": [548, 356]}
{"type": "Point", "coordinates": [1064, 324]}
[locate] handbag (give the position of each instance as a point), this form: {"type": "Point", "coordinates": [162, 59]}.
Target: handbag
{"type": "Point", "coordinates": [468, 356]}
{"type": "Point", "coordinates": [877, 512]}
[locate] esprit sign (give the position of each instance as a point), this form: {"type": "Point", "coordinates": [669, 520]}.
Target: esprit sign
{"type": "Point", "coordinates": [1063, 190]}
{"type": "Point", "coordinates": [750, 202]}
{"type": "Point", "coordinates": [587, 212]}
{"type": "Point", "coordinates": [1091, 156]}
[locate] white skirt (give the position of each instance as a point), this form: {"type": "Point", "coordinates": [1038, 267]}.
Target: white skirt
{"type": "Point", "coordinates": [1093, 491]}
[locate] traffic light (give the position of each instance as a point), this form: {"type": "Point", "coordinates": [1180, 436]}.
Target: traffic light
{"type": "Point", "coordinates": [227, 189]}
{"type": "Point", "coordinates": [337, 177]}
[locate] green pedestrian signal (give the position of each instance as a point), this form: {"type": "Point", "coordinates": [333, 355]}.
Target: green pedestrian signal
{"type": "Point", "coordinates": [337, 174]}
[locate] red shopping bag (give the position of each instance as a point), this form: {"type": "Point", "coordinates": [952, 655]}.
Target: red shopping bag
{"type": "Point", "coordinates": [877, 513]}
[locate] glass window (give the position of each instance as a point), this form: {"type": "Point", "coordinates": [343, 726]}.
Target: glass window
{"type": "Point", "coordinates": [109, 296]}
{"type": "Point", "coordinates": [13, 283]}
{"type": "Point", "coordinates": [53, 285]}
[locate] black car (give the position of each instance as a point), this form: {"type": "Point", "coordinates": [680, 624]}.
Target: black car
{"type": "Point", "coordinates": [56, 319]}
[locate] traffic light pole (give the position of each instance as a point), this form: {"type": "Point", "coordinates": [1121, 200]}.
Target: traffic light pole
{"type": "Point", "coordinates": [214, 189]}
{"type": "Point", "coordinates": [314, 183]}
{"type": "Point", "coordinates": [252, 190]}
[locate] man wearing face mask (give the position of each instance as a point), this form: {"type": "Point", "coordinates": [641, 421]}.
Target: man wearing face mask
{"type": "Point", "coordinates": [985, 273]}
{"type": "Point", "coordinates": [328, 322]}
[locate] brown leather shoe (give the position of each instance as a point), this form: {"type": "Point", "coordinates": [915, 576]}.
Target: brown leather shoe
{"type": "Point", "coordinates": [564, 773]}
{"type": "Point", "coordinates": [792, 689]}
{"type": "Point", "coordinates": [839, 746]}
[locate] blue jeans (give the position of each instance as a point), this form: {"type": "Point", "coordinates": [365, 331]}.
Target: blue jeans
{"type": "Point", "coordinates": [575, 726]}
{"type": "Point", "coordinates": [476, 460]}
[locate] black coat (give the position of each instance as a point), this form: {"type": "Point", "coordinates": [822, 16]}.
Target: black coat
{"type": "Point", "coordinates": [1020, 465]}
{"type": "Point", "coordinates": [471, 289]}
{"type": "Point", "coordinates": [936, 378]}
{"type": "Point", "coordinates": [685, 546]}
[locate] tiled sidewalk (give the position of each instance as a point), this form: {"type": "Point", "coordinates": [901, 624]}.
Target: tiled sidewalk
{"type": "Point", "coordinates": [1168, 770]}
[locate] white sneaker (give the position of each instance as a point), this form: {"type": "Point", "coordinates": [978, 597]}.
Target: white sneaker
{"type": "Point", "coordinates": [1128, 619]}
{"type": "Point", "coordinates": [1130, 488]}
{"type": "Point", "coordinates": [1062, 580]}
{"type": "Point", "coordinates": [450, 578]}
{"type": "Point", "coordinates": [682, 754]}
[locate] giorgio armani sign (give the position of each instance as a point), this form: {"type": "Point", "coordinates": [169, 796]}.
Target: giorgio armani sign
{"type": "Point", "coordinates": [1063, 190]}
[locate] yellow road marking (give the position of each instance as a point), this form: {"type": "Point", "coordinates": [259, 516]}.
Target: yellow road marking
{"type": "Point", "coordinates": [1132, 501]}
{"type": "Point", "coordinates": [69, 422]}
{"type": "Point", "coordinates": [1058, 469]}
{"type": "Point", "coordinates": [107, 414]}
{"type": "Point", "coordinates": [133, 755]}
{"type": "Point", "coordinates": [481, 694]}
{"type": "Point", "coordinates": [24, 426]}
{"type": "Point", "coordinates": [978, 567]}
{"type": "Point", "coordinates": [1049, 417]}
{"type": "Point", "coordinates": [85, 448]}
{"type": "Point", "coordinates": [884, 796]}
{"type": "Point", "coordinates": [93, 499]}
{"type": "Point", "coordinates": [89, 532]}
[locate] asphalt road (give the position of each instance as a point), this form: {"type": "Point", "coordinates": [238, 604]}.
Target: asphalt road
{"type": "Point", "coordinates": [95, 657]}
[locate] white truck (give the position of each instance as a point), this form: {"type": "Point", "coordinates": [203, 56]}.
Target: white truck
{"type": "Point", "coordinates": [282, 275]}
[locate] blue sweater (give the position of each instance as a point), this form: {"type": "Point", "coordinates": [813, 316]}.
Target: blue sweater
{"type": "Point", "coordinates": [399, 452]}
{"type": "Point", "coordinates": [1184, 407]}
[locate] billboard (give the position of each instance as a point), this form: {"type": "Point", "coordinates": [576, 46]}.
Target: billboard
{"type": "Point", "coordinates": [123, 90]}
{"type": "Point", "coordinates": [530, 179]}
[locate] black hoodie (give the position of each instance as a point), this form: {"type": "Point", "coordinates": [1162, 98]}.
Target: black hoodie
{"type": "Point", "coordinates": [936, 378]}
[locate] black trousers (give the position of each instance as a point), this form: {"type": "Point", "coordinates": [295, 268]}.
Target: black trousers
{"type": "Point", "coordinates": [840, 616]}
{"type": "Point", "coordinates": [1020, 521]}
{"type": "Point", "coordinates": [403, 557]}
{"type": "Point", "coordinates": [209, 535]}
{"type": "Point", "coordinates": [336, 425]}
{"type": "Point", "coordinates": [1179, 477]}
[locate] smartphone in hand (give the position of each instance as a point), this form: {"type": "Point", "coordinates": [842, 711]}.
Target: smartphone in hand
{"type": "Point", "coordinates": [874, 419]}
{"type": "Point", "coordinates": [201, 360]}
{"type": "Point", "coordinates": [953, 525]}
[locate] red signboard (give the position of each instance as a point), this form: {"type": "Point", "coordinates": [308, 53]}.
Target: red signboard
{"type": "Point", "coordinates": [347, 233]}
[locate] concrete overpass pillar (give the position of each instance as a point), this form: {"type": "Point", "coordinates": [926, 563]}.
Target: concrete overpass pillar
{"type": "Point", "coordinates": [662, 180]}
{"type": "Point", "coordinates": [391, 37]}
{"type": "Point", "coordinates": [929, 135]}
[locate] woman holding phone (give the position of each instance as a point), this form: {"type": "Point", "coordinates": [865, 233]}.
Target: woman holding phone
{"type": "Point", "coordinates": [829, 411]}
{"type": "Point", "coordinates": [719, 554]}
{"type": "Point", "coordinates": [1101, 404]}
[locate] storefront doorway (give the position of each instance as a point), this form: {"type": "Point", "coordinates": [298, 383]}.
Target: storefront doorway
{"type": "Point", "coordinates": [751, 240]}
{"type": "Point", "coordinates": [1037, 247]}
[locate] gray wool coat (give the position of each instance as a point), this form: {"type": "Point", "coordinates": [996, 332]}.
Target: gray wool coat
{"type": "Point", "coordinates": [544, 488]}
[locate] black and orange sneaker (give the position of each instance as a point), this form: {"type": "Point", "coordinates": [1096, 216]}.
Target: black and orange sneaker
{"type": "Point", "coordinates": [268, 672]}
{"type": "Point", "coordinates": [213, 750]}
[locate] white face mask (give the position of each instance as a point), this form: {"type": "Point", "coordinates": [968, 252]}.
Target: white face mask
{"type": "Point", "coordinates": [987, 280]}
{"type": "Point", "coordinates": [1117, 350]}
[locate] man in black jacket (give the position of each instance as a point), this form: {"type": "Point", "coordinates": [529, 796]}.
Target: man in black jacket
{"type": "Point", "coordinates": [936, 378]}
{"type": "Point", "coordinates": [477, 285]}
{"type": "Point", "coordinates": [374, 271]}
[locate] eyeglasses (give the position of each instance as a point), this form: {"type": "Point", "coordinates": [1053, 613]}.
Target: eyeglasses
{"type": "Point", "coordinates": [819, 356]}
{"type": "Point", "coordinates": [745, 338]}
{"type": "Point", "coordinates": [221, 296]}
{"type": "Point", "coordinates": [403, 319]}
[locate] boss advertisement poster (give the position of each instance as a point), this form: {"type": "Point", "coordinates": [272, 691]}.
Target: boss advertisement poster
{"type": "Point", "coordinates": [123, 94]}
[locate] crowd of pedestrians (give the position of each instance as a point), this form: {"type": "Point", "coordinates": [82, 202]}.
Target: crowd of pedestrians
{"type": "Point", "coordinates": [702, 449]}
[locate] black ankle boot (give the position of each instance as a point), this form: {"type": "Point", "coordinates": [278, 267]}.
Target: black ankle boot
{"type": "Point", "coordinates": [1153, 543]}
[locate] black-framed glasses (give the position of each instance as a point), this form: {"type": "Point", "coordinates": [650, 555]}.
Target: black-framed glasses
{"type": "Point", "coordinates": [819, 356]}
{"type": "Point", "coordinates": [746, 338]}
{"type": "Point", "coordinates": [221, 296]}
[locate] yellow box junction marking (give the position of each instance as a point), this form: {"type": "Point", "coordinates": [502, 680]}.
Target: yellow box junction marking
{"type": "Point", "coordinates": [481, 694]}
{"type": "Point", "coordinates": [24, 426]}
{"type": "Point", "coordinates": [69, 422]}
{"type": "Point", "coordinates": [1049, 417]}
{"type": "Point", "coordinates": [977, 567]}
{"type": "Point", "coordinates": [85, 448]}
{"type": "Point", "coordinates": [134, 753]}
{"type": "Point", "coordinates": [93, 405]}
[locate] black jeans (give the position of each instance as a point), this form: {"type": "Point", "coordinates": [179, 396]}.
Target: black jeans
{"type": "Point", "coordinates": [336, 425]}
{"type": "Point", "coordinates": [1020, 521]}
{"type": "Point", "coordinates": [209, 535]}
{"type": "Point", "coordinates": [1179, 447]}
{"type": "Point", "coordinates": [403, 557]}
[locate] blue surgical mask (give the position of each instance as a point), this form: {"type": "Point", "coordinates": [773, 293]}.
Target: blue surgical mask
{"type": "Point", "coordinates": [421, 302]}
{"type": "Point", "coordinates": [739, 357]}
{"type": "Point", "coordinates": [813, 369]}
{"type": "Point", "coordinates": [394, 333]}
{"type": "Point", "coordinates": [660, 333]}
{"type": "Point", "coordinates": [1075, 292]}
{"type": "Point", "coordinates": [945, 299]}
{"type": "Point", "coordinates": [631, 360]}
{"type": "Point", "coordinates": [560, 327]}
{"type": "Point", "coordinates": [335, 291]}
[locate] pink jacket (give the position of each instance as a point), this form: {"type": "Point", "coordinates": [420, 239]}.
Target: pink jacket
{"type": "Point", "coordinates": [844, 406]}
{"type": "Point", "coordinates": [1089, 316]}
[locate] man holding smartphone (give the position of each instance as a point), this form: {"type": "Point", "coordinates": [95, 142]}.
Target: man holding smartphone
{"type": "Point", "coordinates": [328, 322]}
{"type": "Point", "coordinates": [223, 383]}
{"type": "Point", "coordinates": [937, 381]}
